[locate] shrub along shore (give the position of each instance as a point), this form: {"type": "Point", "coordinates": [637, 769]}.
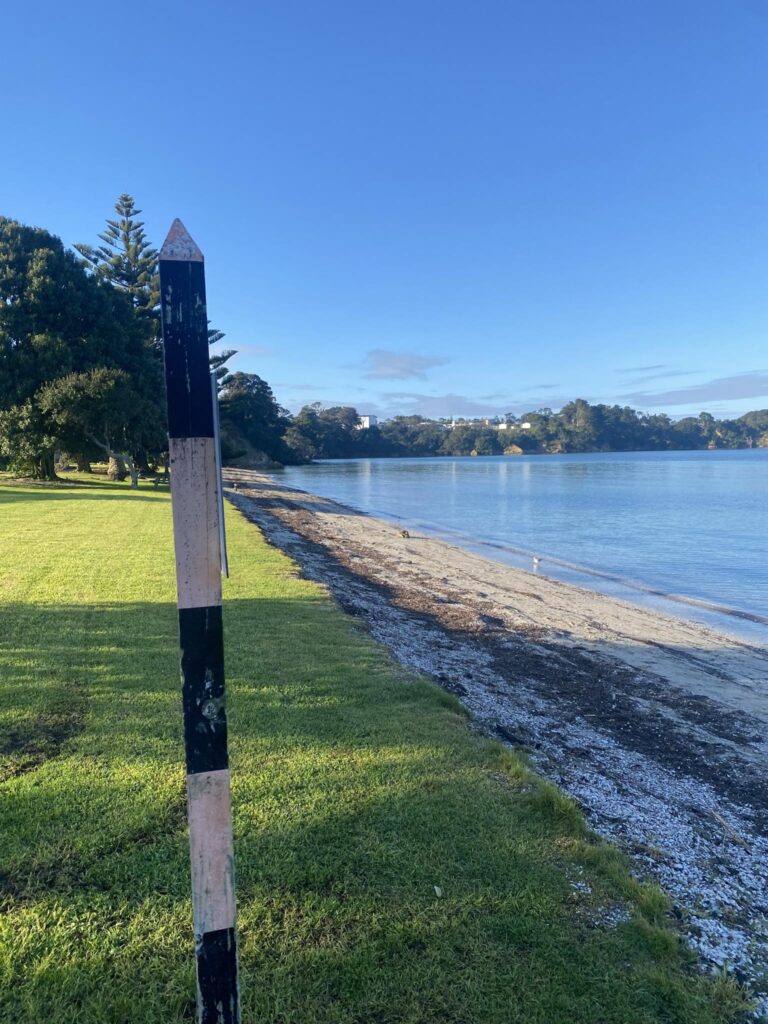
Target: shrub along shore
{"type": "Point", "coordinates": [392, 866]}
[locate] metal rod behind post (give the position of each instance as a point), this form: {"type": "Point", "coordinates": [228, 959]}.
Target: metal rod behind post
{"type": "Point", "coordinates": [219, 475]}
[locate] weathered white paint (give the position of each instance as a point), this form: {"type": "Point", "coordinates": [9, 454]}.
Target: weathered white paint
{"type": "Point", "coordinates": [195, 521]}
{"type": "Point", "coordinates": [179, 245]}
{"type": "Point", "coordinates": [211, 854]}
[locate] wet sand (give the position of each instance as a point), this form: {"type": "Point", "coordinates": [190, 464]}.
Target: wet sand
{"type": "Point", "coordinates": [656, 725]}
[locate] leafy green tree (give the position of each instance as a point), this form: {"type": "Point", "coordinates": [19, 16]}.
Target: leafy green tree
{"type": "Point", "coordinates": [250, 413]}
{"type": "Point", "coordinates": [487, 441]}
{"type": "Point", "coordinates": [474, 438]}
{"type": "Point", "coordinates": [580, 420]}
{"type": "Point", "coordinates": [332, 433]}
{"type": "Point", "coordinates": [400, 433]}
{"type": "Point", "coordinates": [686, 434]}
{"type": "Point", "coordinates": [545, 430]}
{"type": "Point", "coordinates": [340, 426]}
{"type": "Point", "coordinates": [55, 320]}
{"type": "Point", "coordinates": [460, 440]}
{"type": "Point", "coordinates": [755, 422]}
{"type": "Point", "coordinates": [708, 428]}
{"type": "Point", "coordinates": [427, 438]}
{"type": "Point", "coordinates": [104, 408]}
{"type": "Point", "coordinates": [301, 448]}
{"type": "Point", "coordinates": [28, 440]}
{"type": "Point", "coordinates": [305, 436]}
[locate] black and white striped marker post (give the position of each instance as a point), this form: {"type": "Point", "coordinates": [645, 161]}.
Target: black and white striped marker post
{"type": "Point", "coordinates": [194, 494]}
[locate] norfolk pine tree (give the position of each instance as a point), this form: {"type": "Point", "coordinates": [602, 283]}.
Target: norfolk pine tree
{"type": "Point", "coordinates": [127, 260]}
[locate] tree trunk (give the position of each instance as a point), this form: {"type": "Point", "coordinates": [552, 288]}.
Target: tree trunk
{"type": "Point", "coordinates": [116, 470]}
{"type": "Point", "coordinates": [132, 469]}
{"type": "Point", "coordinates": [83, 464]}
{"type": "Point", "coordinates": [142, 461]}
{"type": "Point", "coordinates": [44, 467]}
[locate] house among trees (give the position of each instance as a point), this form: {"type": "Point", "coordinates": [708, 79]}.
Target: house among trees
{"type": "Point", "coordinates": [366, 422]}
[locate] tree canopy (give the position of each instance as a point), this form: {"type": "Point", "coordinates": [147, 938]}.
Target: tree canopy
{"type": "Point", "coordinates": [252, 422]}
{"type": "Point", "coordinates": [57, 320]}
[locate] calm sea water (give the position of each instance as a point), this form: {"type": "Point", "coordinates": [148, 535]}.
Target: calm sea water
{"type": "Point", "coordinates": [681, 530]}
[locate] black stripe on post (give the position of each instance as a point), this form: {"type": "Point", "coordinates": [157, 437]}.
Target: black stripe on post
{"type": "Point", "coordinates": [217, 976]}
{"type": "Point", "coordinates": [185, 340]}
{"type": "Point", "coordinates": [202, 686]}
{"type": "Point", "coordinates": [196, 510]}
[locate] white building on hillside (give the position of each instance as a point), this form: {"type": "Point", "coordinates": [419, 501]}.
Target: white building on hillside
{"type": "Point", "coordinates": [514, 426]}
{"type": "Point", "coordinates": [364, 422]}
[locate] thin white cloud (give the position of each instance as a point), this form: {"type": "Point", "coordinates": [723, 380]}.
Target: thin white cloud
{"type": "Point", "coordinates": [642, 369]}
{"type": "Point", "coordinates": [666, 375]}
{"type": "Point", "coordinates": [384, 364]}
{"type": "Point", "coordinates": [416, 403]}
{"type": "Point", "coordinates": [438, 406]}
{"type": "Point", "coordinates": [741, 385]}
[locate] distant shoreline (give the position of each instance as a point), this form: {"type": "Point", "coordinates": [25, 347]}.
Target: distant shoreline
{"type": "Point", "coordinates": [268, 467]}
{"type": "Point", "coordinates": [526, 454]}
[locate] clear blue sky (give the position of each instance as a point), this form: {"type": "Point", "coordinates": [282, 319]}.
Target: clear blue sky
{"type": "Point", "coordinates": [426, 205]}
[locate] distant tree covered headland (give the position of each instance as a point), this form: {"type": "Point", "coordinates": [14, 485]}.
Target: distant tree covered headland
{"type": "Point", "coordinates": [81, 380]}
{"type": "Point", "coordinates": [578, 427]}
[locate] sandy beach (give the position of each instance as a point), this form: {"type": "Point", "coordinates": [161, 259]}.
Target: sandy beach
{"type": "Point", "coordinates": [656, 725]}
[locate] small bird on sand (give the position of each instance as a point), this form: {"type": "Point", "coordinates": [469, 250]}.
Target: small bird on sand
{"type": "Point", "coordinates": [404, 533]}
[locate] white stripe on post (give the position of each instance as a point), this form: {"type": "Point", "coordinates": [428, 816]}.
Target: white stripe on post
{"type": "Point", "coordinates": [193, 488]}
{"type": "Point", "coordinates": [212, 857]}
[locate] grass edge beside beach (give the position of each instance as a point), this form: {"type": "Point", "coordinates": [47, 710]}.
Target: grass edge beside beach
{"type": "Point", "coordinates": [392, 866]}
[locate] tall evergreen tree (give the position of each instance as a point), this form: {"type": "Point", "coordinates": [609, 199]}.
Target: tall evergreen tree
{"type": "Point", "coordinates": [218, 360]}
{"type": "Point", "coordinates": [126, 259]}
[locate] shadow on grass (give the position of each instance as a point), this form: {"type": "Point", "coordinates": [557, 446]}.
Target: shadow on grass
{"type": "Point", "coordinates": [390, 866]}
{"type": "Point", "coordinates": [325, 743]}
{"type": "Point", "coordinates": [282, 661]}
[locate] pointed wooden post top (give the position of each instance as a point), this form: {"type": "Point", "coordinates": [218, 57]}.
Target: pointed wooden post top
{"type": "Point", "coordinates": [179, 245]}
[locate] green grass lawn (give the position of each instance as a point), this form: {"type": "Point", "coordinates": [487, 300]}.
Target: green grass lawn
{"type": "Point", "coordinates": [391, 866]}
